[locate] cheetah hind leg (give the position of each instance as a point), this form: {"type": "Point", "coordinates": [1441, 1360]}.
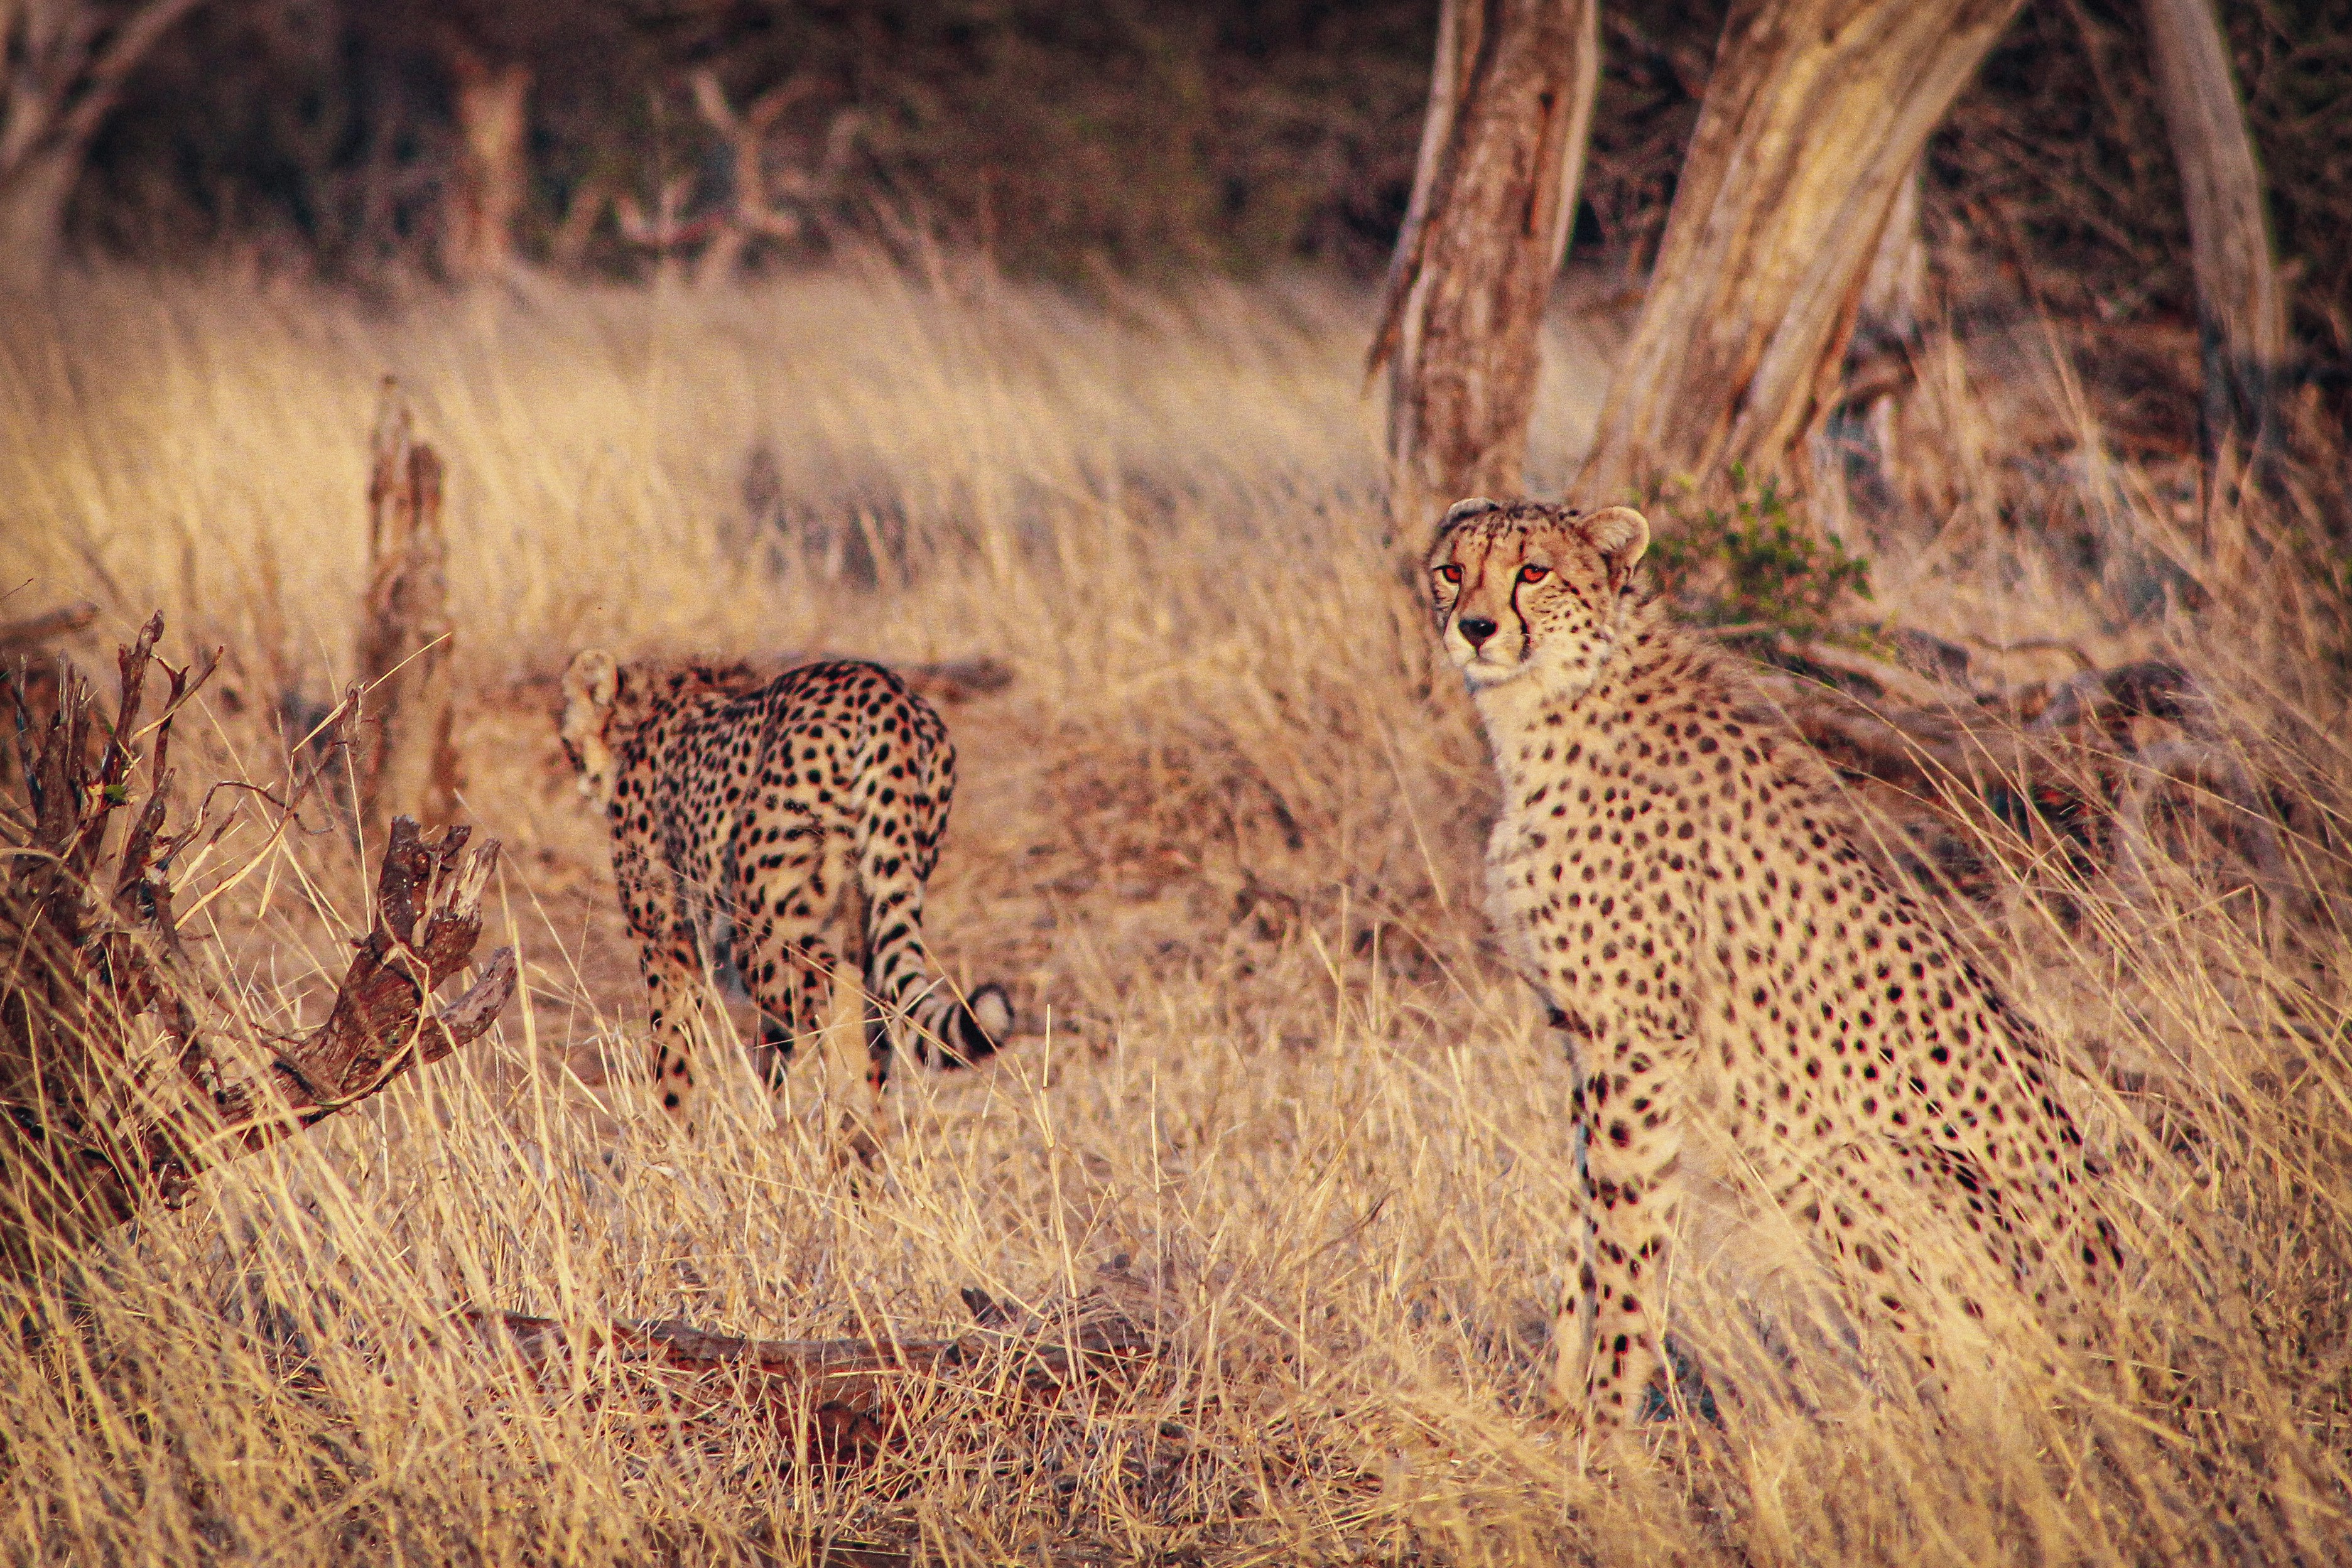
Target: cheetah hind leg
{"type": "Point", "coordinates": [673, 984]}
{"type": "Point", "coordinates": [792, 982]}
{"type": "Point", "coordinates": [788, 973]}
{"type": "Point", "coordinates": [1682, 1389]}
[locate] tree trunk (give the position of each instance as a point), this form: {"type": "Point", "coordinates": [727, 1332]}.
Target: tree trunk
{"type": "Point", "coordinates": [493, 116]}
{"type": "Point", "coordinates": [1510, 102]}
{"type": "Point", "coordinates": [1816, 115]}
{"type": "Point", "coordinates": [2241, 309]}
{"type": "Point", "coordinates": [62, 69]}
{"type": "Point", "coordinates": [1878, 365]}
{"type": "Point", "coordinates": [408, 757]}
{"type": "Point", "coordinates": [32, 216]}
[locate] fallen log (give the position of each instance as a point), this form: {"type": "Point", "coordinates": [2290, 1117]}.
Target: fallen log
{"type": "Point", "coordinates": [835, 1401]}
{"type": "Point", "coordinates": [1879, 719]}
{"type": "Point", "coordinates": [2104, 758]}
{"type": "Point", "coordinates": [35, 633]}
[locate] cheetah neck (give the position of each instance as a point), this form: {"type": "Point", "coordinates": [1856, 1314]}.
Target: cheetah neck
{"type": "Point", "coordinates": [1532, 720]}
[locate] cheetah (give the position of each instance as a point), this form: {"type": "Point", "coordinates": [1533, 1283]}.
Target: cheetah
{"type": "Point", "coordinates": [1783, 1066]}
{"type": "Point", "coordinates": [769, 831]}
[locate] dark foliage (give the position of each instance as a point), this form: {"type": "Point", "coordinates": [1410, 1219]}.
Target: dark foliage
{"type": "Point", "coordinates": [2056, 167]}
{"type": "Point", "coordinates": [1148, 138]}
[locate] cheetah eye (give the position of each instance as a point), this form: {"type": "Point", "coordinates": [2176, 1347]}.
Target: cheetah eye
{"type": "Point", "coordinates": [1449, 573]}
{"type": "Point", "coordinates": [1533, 573]}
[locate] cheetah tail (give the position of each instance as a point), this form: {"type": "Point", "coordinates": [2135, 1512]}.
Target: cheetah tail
{"type": "Point", "coordinates": [961, 1033]}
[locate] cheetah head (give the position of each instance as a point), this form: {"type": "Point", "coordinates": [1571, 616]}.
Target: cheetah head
{"type": "Point", "coordinates": [1521, 588]}
{"type": "Point", "coordinates": [592, 686]}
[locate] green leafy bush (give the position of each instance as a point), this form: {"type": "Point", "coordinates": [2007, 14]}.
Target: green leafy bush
{"type": "Point", "coordinates": [1752, 567]}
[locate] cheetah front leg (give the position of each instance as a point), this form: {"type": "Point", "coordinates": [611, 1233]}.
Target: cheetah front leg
{"type": "Point", "coordinates": [1630, 1132]}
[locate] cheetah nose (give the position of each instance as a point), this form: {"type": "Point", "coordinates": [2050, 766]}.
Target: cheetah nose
{"type": "Point", "coordinates": [1474, 629]}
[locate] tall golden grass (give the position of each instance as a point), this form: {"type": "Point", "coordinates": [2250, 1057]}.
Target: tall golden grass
{"type": "Point", "coordinates": [1224, 835]}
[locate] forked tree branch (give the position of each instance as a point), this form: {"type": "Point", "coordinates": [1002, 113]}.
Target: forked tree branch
{"type": "Point", "coordinates": [90, 944]}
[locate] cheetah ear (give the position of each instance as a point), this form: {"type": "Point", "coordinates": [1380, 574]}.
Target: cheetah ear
{"type": "Point", "coordinates": [1619, 534]}
{"type": "Point", "coordinates": [1458, 514]}
{"type": "Point", "coordinates": [593, 679]}
{"type": "Point", "coordinates": [1463, 510]}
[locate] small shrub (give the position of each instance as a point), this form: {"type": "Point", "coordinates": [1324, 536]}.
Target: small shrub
{"type": "Point", "coordinates": [1753, 567]}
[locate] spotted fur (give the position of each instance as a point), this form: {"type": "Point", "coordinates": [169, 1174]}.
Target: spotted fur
{"type": "Point", "coordinates": [774, 830]}
{"type": "Point", "coordinates": [1784, 1066]}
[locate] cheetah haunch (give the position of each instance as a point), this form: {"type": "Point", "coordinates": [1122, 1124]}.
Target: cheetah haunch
{"type": "Point", "coordinates": [773, 831]}
{"type": "Point", "coordinates": [1787, 1074]}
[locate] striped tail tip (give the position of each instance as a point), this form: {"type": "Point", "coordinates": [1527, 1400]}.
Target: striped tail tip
{"type": "Point", "coordinates": [981, 1024]}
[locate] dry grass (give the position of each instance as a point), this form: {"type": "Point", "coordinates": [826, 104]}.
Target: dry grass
{"type": "Point", "coordinates": [1223, 838]}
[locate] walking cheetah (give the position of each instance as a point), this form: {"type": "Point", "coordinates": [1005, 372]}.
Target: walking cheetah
{"type": "Point", "coordinates": [767, 829]}
{"type": "Point", "coordinates": [1784, 1067]}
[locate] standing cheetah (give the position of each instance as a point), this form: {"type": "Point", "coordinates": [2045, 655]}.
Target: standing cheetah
{"type": "Point", "coordinates": [770, 829]}
{"type": "Point", "coordinates": [1784, 1067]}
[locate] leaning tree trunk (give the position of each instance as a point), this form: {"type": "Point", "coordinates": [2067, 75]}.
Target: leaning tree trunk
{"type": "Point", "coordinates": [63, 66]}
{"type": "Point", "coordinates": [1815, 114]}
{"type": "Point", "coordinates": [1510, 102]}
{"type": "Point", "coordinates": [33, 213]}
{"type": "Point", "coordinates": [2241, 309]}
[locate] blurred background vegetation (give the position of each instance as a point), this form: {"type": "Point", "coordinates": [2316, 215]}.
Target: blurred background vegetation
{"type": "Point", "coordinates": [1142, 140]}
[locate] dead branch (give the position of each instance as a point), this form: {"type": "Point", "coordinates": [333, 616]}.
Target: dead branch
{"type": "Point", "coordinates": [840, 1401]}
{"type": "Point", "coordinates": [408, 761]}
{"type": "Point", "coordinates": [493, 111]}
{"type": "Point", "coordinates": [2122, 757]}
{"type": "Point", "coordinates": [428, 918]}
{"type": "Point", "coordinates": [768, 197]}
{"type": "Point", "coordinates": [30, 670]}
{"type": "Point", "coordinates": [91, 1128]}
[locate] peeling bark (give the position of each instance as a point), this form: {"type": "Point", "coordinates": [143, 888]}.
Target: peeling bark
{"type": "Point", "coordinates": [1510, 106]}
{"type": "Point", "coordinates": [1815, 116]}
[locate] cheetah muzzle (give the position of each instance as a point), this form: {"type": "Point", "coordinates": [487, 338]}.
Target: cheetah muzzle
{"type": "Point", "coordinates": [1784, 1067]}
{"type": "Point", "coordinates": [770, 830]}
